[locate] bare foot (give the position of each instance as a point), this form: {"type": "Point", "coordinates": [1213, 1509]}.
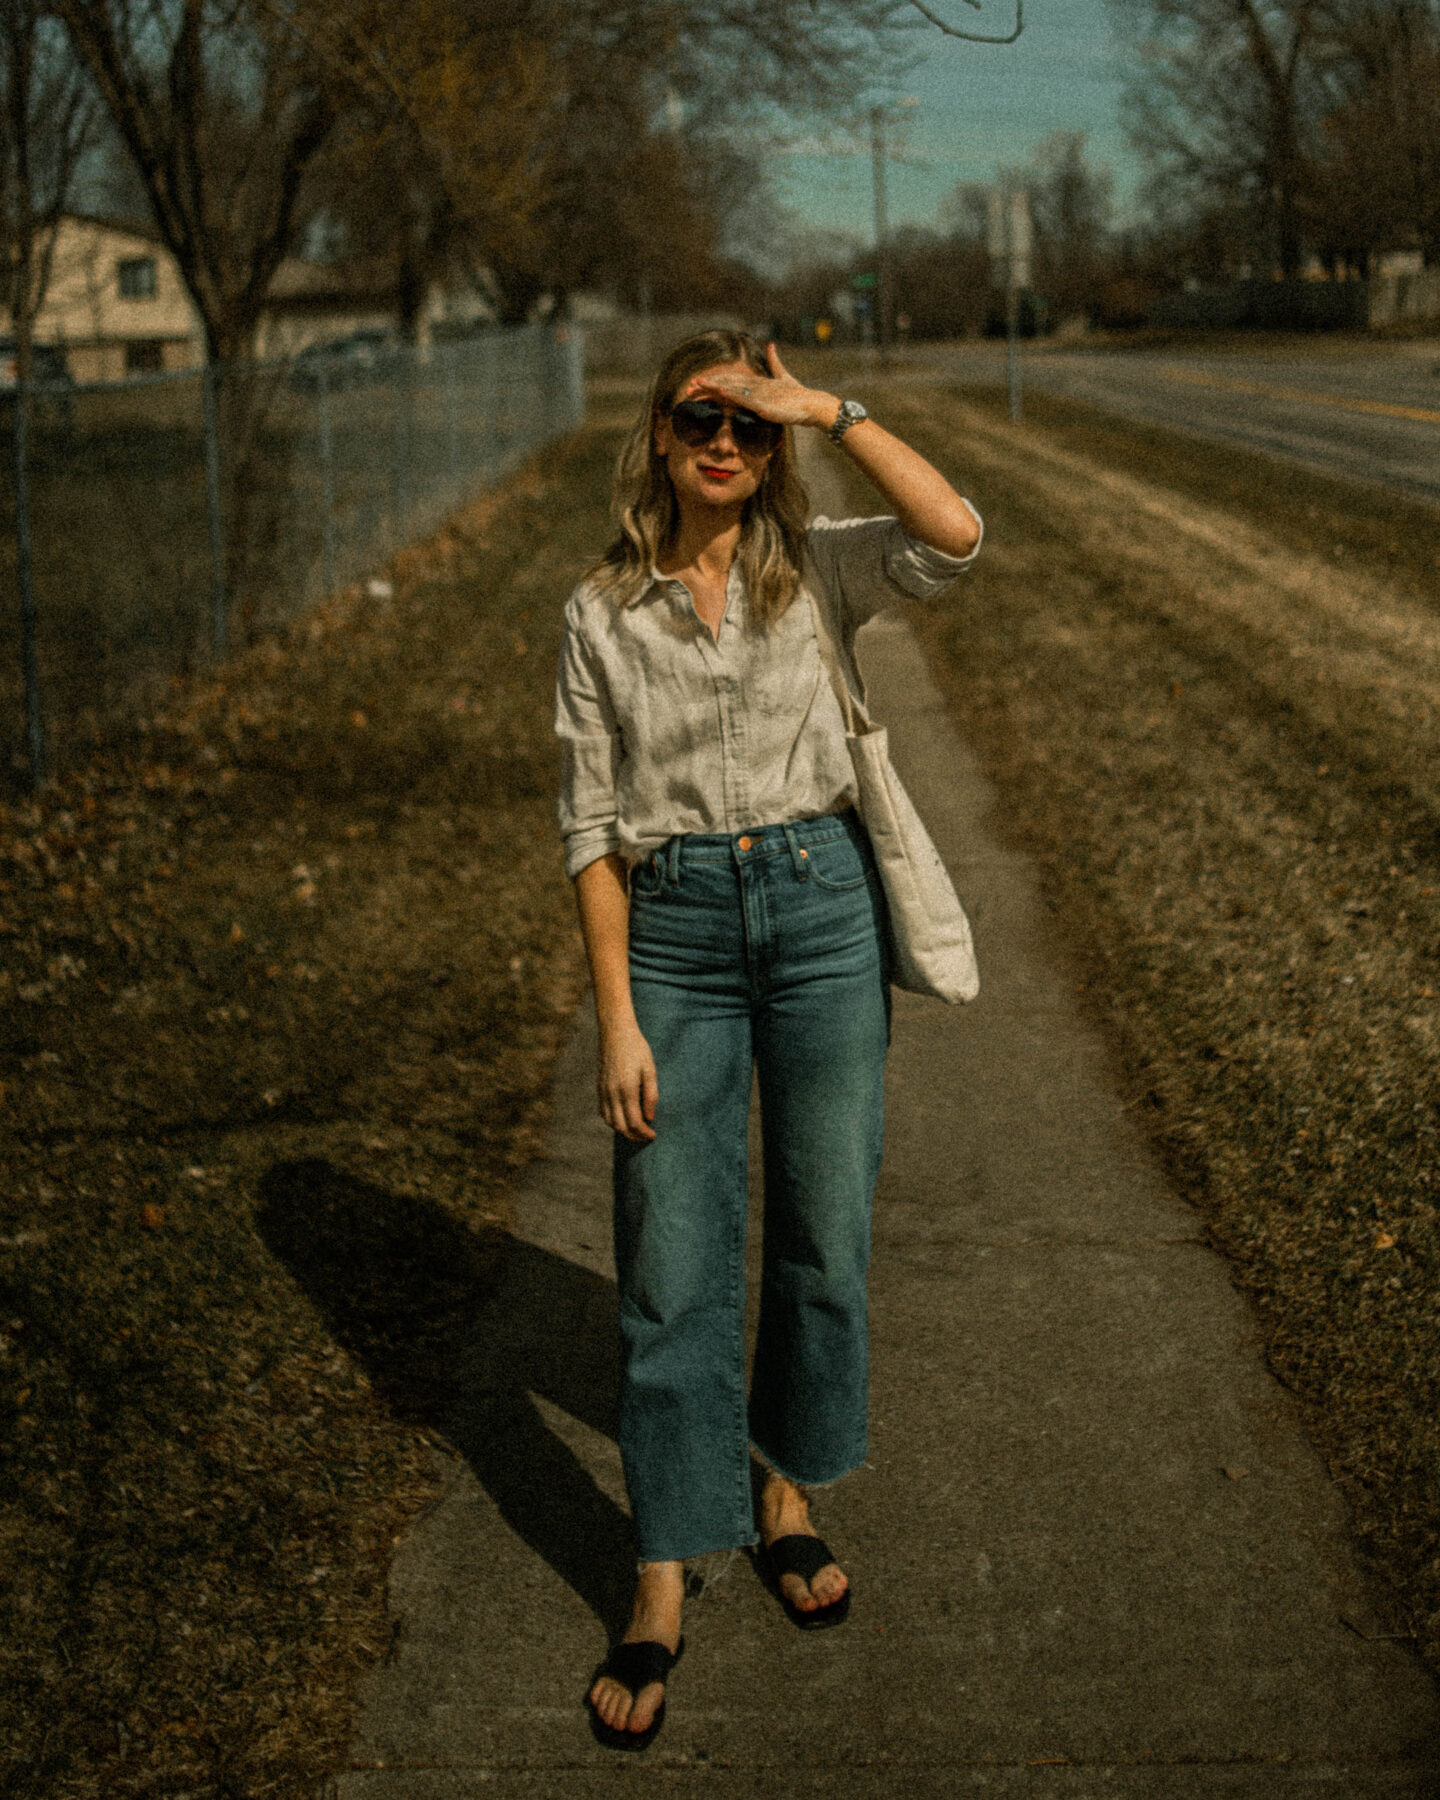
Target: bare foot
{"type": "Point", "coordinates": [785, 1512]}
{"type": "Point", "coordinates": [655, 1618]}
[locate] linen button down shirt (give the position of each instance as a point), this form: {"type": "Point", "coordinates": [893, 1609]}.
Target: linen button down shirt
{"type": "Point", "coordinates": [666, 729]}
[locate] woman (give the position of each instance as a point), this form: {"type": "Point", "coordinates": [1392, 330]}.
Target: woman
{"type": "Point", "coordinates": [733, 921]}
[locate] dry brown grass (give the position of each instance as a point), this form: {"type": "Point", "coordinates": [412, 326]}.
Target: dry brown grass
{"type": "Point", "coordinates": [282, 984]}
{"type": "Point", "coordinates": [1208, 687]}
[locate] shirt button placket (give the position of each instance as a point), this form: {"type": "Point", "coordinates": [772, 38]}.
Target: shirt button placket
{"type": "Point", "coordinates": [735, 761]}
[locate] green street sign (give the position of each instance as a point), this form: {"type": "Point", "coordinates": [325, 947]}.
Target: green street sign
{"type": "Point", "coordinates": [864, 281]}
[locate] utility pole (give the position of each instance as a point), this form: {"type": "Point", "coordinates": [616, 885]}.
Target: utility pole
{"type": "Point", "coordinates": [882, 236]}
{"type": "Point", "coordinates": [1010, 238]}
{"type": "Point", "coordinates": [884, 267]}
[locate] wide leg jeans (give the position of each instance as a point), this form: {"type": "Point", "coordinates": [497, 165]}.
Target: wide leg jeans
{"type": "Point", "coordinates": [764, 951]}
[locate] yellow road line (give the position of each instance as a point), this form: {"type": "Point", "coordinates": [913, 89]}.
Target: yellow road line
{"type": "Point", "coordinates": [1384, 408]}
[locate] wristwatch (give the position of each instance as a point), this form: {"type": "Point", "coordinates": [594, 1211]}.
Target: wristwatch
{"type": "Point", "coordinates": [850, 413]}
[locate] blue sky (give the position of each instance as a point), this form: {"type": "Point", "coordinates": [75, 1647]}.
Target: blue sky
{"type": "Point", "coordinates": [979, 106]}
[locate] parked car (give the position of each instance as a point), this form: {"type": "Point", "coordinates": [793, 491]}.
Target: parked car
{"type": "Point", "coordinates": [348, 361]}
{"type": "Point", "coordinates": [52, 391]}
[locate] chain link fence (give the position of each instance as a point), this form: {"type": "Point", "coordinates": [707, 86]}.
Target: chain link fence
{"type": "Point", "coordinates": [153, 525]}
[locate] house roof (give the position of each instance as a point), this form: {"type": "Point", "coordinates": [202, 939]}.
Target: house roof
{"type": "Point", "coordinates": [141, 228]}
{"type": "Point", "coordinates": [302, 283]}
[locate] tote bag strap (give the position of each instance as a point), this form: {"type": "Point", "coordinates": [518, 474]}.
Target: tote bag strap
{"type": "Point", "coordinates": [852, 708]}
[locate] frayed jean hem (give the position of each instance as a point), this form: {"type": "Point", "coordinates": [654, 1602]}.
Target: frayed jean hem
{"type": "Point", "coordinates": [769, 1463]}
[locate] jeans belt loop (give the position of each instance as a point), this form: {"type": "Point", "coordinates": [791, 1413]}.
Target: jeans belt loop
{"type": "Point", "coordinates": [672, 861]}
{"type": "Point", "coordinates": [797, 855]}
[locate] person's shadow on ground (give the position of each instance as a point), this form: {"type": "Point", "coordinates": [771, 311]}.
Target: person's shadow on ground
{"type": "Point", "coordinates": [457, 1330]}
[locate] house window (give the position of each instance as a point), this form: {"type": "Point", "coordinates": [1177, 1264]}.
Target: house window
{"type": "Point", "coordinates": [137, 278]}
{"type": "Point", "coordinates": [144, 356]}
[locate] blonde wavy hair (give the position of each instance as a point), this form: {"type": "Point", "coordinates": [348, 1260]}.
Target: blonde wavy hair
{"type": "Point", "coordinates": [773, 523]}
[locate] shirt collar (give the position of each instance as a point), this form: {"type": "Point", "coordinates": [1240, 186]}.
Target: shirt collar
{"type": "Point", "coordinates": [734, 582]}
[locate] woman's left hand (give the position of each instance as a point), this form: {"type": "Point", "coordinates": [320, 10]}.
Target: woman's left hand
{"type": "Point", "coordinates": [777, 396]}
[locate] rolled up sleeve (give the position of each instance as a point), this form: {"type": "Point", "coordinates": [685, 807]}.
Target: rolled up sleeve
{"type": "Point", "coordinates": [590, 750]}
{"type": "Point", "coordinates": [870, 563]}
{"type": "Point", "coordinates": [919, 569]}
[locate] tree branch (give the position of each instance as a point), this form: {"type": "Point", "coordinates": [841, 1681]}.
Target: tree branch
{"type": "Point", "coordinates": [973, 37]}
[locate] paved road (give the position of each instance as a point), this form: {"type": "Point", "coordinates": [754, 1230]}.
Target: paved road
{"type": "Point", "coordinates": [1367, 411]}
{"type": "Point", "coordinates": [1094, 1556]}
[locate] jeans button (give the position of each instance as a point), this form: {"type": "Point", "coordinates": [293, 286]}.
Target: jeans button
{"type": "Point", "coordinates": [745, 843]}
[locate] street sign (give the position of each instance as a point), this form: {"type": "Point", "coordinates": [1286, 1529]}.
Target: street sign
{"type": "Point", "coordinates": [864, 281]}
{"type": "Point", "coordinates": [1009, 236]}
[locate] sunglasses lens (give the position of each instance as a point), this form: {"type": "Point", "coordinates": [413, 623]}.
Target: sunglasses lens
{"type": "Point", "coordinates": [753, 433]}
{"type": "Point", "coordinates": [695, 422]}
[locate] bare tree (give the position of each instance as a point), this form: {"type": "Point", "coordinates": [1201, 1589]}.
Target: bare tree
{"type": "Point", "coordinates": [443, 155]}
{"type": "Point", "coordinates": [1224, 98]}
{"type": "Point", "coordinates": [552, 142]}
{"type": "Point", "coordinates": [43, 135]}
{"type": "Point", "coordinates": [1070, 201]}
{"type": "Point", "coordinates": [624, 136]}
{"type": "Point", "coordinates": [223, 109]}
{"type": "Point", "coordinates": [1377, 172]}
{"type": "Point", "coordinates": [47, 125]}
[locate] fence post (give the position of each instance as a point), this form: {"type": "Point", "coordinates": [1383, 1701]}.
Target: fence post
{"type": "Point", "coordinates": [489, 409]}
{"type": "Point", "coordinates": [218, 620]}
{"type": "Point", "coordinates": [327, 475]}
{"type": "Point", "coordinates": [575, 375]}
{"type": "Point", "coordinates": [557, 398]}
{"type": "Point", "coordinates": [25, 580]}
{"type": "Point", "coordinates": [448, 354]}
{"type": "Point", "coordinates": [399, 449]}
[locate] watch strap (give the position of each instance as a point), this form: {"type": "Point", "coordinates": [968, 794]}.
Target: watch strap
{"type": "Point", "coordinates": [851, 412]}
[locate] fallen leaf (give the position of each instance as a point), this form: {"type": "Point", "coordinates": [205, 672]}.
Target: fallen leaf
{"type": "Point", "coordinates": [236, 934]}
{"type": "Point", "coordinates": [1234, 1472]}
{"type": "Point", "coordinates": [152, 1217]}
{"type": "Point", "coordinates": [1384, 1240]}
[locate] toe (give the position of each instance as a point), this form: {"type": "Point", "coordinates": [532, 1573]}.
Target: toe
{"type": "Point", "coordinates": [611, 1702]}
{"type": "Point", "coordinates": [647, 1704]}
{"type": "Point", "coordinates": [796, 1592]}
{"type": "Point", "coordinates": [829, 1584]}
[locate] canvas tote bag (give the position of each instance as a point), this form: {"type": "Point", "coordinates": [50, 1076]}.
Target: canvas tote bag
{"type": "Point", "coordinates": [932, 951]}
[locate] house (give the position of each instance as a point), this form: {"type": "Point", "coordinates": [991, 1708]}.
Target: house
{"type": "Point", "coordinates": [115, 302]}
{"type": "Point", "coordinates": [316, 302]}
{"type": "Point", "coordinates": [117, 306]}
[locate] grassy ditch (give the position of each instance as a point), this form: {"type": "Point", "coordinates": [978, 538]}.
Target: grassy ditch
{"type": "Point", "coordinates": [282, 983]}
{"type": "Point", "coordinates": [1208, 687]}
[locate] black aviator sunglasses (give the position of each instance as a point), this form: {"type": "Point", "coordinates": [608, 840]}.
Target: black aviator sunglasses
{"type": "Point", "coordinates": [696, 422]}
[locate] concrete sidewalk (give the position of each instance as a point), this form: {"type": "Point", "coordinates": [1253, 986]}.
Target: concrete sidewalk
{"type": "Point", "coordinates": [1093, 1554]}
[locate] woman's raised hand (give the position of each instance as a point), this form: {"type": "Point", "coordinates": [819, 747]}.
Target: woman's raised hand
{"type": "Point", "coordinates": [777, 396]}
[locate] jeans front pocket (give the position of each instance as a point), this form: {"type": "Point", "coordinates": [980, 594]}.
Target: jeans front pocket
{"type": "Point", "coordinates": [838, 864]}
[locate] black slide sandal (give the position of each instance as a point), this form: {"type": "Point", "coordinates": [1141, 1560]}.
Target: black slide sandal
{"type": "Point", "coordinates": [634, 1666]}
{"type": "Point", "coordinates": [806, 1556]}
